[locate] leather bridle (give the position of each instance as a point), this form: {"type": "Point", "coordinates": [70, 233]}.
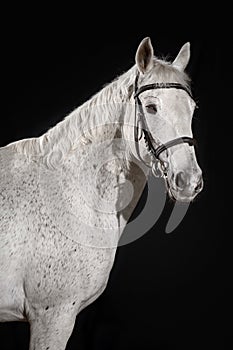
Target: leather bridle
{"type": "Point", "coordinates": [158, 166]}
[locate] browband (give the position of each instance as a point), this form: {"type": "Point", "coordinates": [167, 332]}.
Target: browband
{"type": "Point", "coordinates": [162, 86]}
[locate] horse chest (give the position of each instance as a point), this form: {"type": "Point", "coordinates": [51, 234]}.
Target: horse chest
{"type": "Point", "coordinates": [64, 271]}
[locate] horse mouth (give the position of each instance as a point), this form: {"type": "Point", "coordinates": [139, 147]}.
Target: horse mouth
{"type": "Point", "coordinates": [171, 195]}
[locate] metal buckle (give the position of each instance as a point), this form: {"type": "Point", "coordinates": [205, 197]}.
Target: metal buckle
{"type": "Point", "coordinates": [158, 168]}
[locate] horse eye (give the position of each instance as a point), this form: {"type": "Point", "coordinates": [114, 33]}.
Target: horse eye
{"type": "Point", "coordinates": [151, 108]}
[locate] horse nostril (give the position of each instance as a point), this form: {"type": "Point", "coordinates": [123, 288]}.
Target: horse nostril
{"type": "Point", "coordinates": [199, 186]}
{"type": "Point", "coordinates": [181, 180]}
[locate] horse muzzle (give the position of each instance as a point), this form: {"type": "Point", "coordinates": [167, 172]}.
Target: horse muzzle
{"type": "Point", "coordinates": [184, 187]}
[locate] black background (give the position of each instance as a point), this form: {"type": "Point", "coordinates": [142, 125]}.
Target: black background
{"type": "Point", "coordinates": [165, 291]}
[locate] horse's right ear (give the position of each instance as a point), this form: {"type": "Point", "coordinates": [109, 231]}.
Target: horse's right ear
{"type": "Point", "coordinates": [144, 56]}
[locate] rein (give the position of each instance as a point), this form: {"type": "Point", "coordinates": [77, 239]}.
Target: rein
{"type": "Point", "coordinates": [158, 167]}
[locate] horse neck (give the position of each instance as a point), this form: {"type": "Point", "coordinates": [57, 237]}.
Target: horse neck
{"type": "Point", "coordinates": [96, 120]}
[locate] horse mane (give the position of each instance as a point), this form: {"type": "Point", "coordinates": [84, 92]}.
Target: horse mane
{"type": "Point", "coordinates": [86, 122]}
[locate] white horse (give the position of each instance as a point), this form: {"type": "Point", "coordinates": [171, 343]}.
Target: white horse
{"type": "Point", "coordinates": [65, 197]}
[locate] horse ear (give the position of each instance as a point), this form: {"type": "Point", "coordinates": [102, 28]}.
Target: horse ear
{"type": "Point", "coordinates": [144, 56]}
{"type": "Point", "coordinates": [182, 59]}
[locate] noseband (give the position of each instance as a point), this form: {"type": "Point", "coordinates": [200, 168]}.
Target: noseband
{"type": "Point", "coordinates": [158, 167]}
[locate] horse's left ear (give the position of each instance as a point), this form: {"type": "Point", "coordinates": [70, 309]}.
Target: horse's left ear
{"type": "Point", "coordinates": [182, 59]}
{"type": "Point", "coordinates": [144, 55]}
